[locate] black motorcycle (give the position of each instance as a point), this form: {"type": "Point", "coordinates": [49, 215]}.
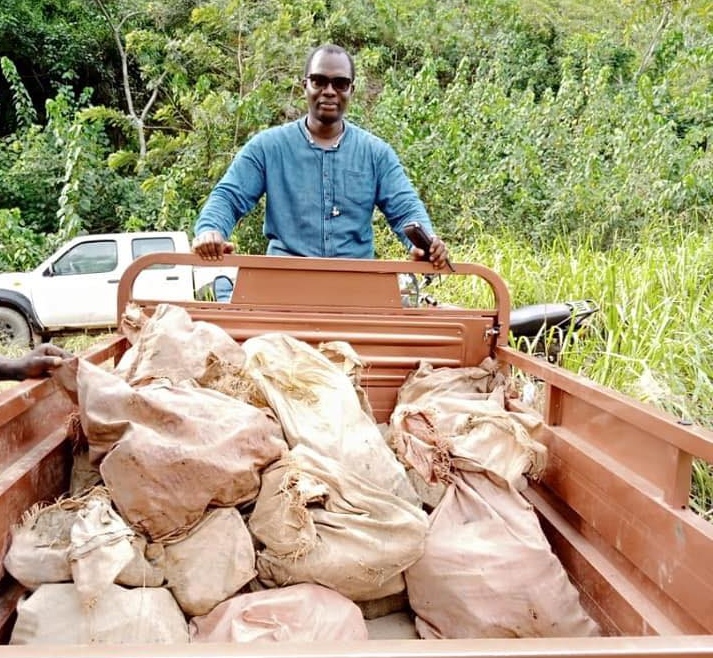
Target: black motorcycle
{"type": "Point", "coordinates": [543, 329]}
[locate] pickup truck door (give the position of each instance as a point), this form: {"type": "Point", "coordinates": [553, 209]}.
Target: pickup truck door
{"type": "Point", "coordinates": [166, 282]}
{"type": "Point", "coordinates": [79, 288]}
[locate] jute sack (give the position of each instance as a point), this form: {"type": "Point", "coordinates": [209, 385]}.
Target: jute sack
{"type": "Point", "coordinates": [100, 547]}
{"type": "Point", "coordinates": [448, 418]}
{"type": "Point", "coordinates": [500, 441]}
{"type": "Point", "coordinates": [488, 571]}
{"type": "Point", "coordinates": [321, 523]}
{"type": "Point", "coordinates": [147, 567]}
{"type": "Point", "coordinates": [318, 407]}
{"type": "Point", "coordinates": [296, 613]}
{"type": "Point", "coordinates": [447, 394]}
{"type": "Point", "coordinates": [170, 345]}
{"type": "Point", "coordinates": [39, 546]}
{"type": "Point", "coordinates": [109, 409]}
{"type": "Point", "coordinates": [212, 563]}
{"type": "Point", "coordinates": [174, 450]}
{"type": "Point", "coordinates": [487, 381]}
{"type": "Point", "coordinates": [54, 614]}
{"type": "Point", "coordinates": [65, 540]}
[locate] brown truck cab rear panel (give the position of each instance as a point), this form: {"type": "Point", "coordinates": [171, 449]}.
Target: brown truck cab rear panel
{"type": "Point", "coordinates": [612, 502]}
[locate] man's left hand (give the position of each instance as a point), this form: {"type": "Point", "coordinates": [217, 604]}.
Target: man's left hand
{"type": "Point", "coordinates": [438, 253]}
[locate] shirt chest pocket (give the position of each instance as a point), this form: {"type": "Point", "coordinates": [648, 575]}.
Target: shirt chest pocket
{"type": "Point", "coordinates": [360, 188]}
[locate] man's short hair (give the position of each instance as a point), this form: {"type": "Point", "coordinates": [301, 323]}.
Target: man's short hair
{"type": "Point", "coordinates": [332, 49]}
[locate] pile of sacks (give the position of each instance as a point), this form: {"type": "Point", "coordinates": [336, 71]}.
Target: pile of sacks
{"type": "Point", "coordinates": [240, 493]}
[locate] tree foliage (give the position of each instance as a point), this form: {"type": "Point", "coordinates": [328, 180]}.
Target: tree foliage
{"type": "Point", "coordinates": [53, 43]}
{"type": "Point", "coordinates": [546, 117]}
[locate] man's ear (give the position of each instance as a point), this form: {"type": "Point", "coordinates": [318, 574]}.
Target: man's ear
{"type": "Point", "coordinates": [304, 83]}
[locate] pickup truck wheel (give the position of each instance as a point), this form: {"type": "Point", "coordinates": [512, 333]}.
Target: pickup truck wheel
{"type": "Point", "coordinates": [14, 328]}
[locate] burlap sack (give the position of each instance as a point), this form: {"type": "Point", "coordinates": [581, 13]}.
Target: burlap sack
{"type": "Point", "coordinates": [486, 381]}
{"type": "Point", "coordinates": [54, 614]}
{"type": "Point", "coordinates": [78, 538]}
{"type": "Point", "coordinates": [174, 450]}
{"type": "Point", "coordinates": [39, 547]}
{"type": "Point", "coordinates": [318, 407]}
{"type": "Point", "coordinates": [100, 547]}
{"type": "Point", "coordinates": [297, 613]}
{"type": "Point", "coordinates": [321, 523]}
{"type": "Point", "coordinates": [498, 440]}
{"type": "Point", "coordinates": [212, 563]}
{"type": "Point", "coordinates": [170, 345]}
{"type": "Point", "coordinates": [488, 571]}
{"type": "Point", "coordinates": [449, 418]}
{"type": "Point", "coordinates": [447, 395]}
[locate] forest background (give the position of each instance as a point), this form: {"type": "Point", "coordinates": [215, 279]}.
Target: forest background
{"type": "Point", "coordinates": [566, 144]}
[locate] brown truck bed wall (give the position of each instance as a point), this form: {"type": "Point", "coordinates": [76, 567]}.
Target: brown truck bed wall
{"type": "Point", "coordinates": [612, 501]}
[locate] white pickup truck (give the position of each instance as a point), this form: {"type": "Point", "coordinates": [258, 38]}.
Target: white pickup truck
{"type": "Point", "coordinates": [76, 287]}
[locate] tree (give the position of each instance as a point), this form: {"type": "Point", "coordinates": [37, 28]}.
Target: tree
{"type": "Point", "coordinates": [54, 42]}
{"type": "Point", "coordinates": [137, 116]}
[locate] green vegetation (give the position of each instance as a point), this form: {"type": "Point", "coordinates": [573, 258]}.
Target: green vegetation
{"type": "Point", "coordinates": [569, 145]}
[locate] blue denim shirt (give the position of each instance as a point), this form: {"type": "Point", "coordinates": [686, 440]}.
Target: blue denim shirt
{"type": "Point", "coordinates": [319, 201]}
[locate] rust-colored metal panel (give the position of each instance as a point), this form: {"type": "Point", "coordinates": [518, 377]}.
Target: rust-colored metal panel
{"type": "Point", "coordinates": [665, 543]}
{"type": "Point", "coordinates": [629, 502]}
{"type": "Point", "coordinates": [664, 465]}
{"type": "Point", "coordinates": [277, 286]}
{"type": "Point", "coordinates": [617, 593]}
{"type": "Point", "coordinates": [272, 279]}
{"type": "Point", "coordinates": [23, 421]}
{"type": "Point", "coordinates": [690, 439]}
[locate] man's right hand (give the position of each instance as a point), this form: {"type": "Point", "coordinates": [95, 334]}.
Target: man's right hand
{"type": "Point", "coordinates": [210, 245]}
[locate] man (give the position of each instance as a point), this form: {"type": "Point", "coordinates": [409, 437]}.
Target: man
{"type": "Point", "coordinates": [39, 362]}
{"type": "Point", "coordinates": [322, 177]}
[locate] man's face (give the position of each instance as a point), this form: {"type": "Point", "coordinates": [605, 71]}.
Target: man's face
{"type": "Point", "coordinates": [327, 104]}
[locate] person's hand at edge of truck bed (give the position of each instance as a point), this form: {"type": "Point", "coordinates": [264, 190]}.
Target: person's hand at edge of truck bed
{"type": "Point", "coordinates": [40, 362]}
{"type": "Point", "coordinates": [211, 245]}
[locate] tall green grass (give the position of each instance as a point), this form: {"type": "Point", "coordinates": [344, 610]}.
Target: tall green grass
{"type": "Point", "coordinates": [653, 336]}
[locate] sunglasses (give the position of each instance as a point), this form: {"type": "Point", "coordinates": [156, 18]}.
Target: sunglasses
{"type": "Point", "coordinates": [319, 81]}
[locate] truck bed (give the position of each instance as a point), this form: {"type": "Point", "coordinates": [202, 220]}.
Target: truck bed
{"type": "Point", "coordinates": [612, 502]}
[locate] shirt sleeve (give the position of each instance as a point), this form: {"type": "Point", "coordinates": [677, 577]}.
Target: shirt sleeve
{"type": "Point", "coordinates": [397, 198]}
{"type": "Point", "coordinates": [237, 192]}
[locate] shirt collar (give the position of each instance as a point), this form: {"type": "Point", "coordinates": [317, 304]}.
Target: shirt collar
{"type": "Point", "coordinates": [308, 136]}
